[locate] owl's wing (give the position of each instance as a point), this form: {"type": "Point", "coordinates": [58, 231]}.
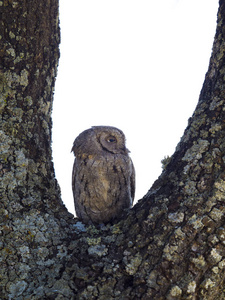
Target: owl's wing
{"type": "Point", "coordinates": [132, 182]}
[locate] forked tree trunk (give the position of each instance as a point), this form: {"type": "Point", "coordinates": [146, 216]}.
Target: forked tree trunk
{"type": "Point", "coordinates": [171, 245]}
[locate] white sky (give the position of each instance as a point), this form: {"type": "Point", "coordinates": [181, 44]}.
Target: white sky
{"type": "Point", "coordinates": [138, 65]}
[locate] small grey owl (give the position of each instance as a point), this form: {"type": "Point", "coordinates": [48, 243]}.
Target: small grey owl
{"type": "Point", "coordinates": [103, 179]}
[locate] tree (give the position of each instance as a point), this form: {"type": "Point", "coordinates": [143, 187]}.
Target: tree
{"type": "Point", "coordinates": [171, 245]}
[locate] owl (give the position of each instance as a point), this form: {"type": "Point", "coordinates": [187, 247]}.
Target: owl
{"type": "Point", "coordinates": [103, 178]}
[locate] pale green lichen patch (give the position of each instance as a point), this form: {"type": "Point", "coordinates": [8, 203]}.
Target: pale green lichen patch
{"type": "Point", "coordinates": [190, 187]}
{"type": "Point", "coordinates": [169, 251]}
{"type": "Point", "coordinates": [216, 102]}
{"type": "Point", "coordinates": [23, 270]}
{"type": "Point", "coordinates": [28, 101]}
{"type": "Point", "coordinates": [12, 35]}
{"type": "Point", "coordinates": [20, 57]}
{"type": "Point", "coordinates": [213, 239]}
{"type": "Point", "coordinates": [215, 270]}
{"type": "Point", "coordinates": [93, 241]}
{"type": "Point", "coordinates": [62, 251]}
{"type": "Point", "coordinates": [45, 106]}
{"type": "Point", "coordinates": [24, 251]}
{"type": "Point", "coordinates": [215, 256]}
{"type": "Point", "coordinates": [116, 229]}
{"type": "Point", "coordinates": [196, 123]}
{"type": "Point", "coordinates": [11, 51]}
{"type": "Point", "coordinates": [152, 278]}
{"type": "Point", "coordinates": [221, 264]}
{"type": "Point", "coordinates": [23, 80]}
{"type": "Point", "coordinates": [41, 238]}
{"type": "Point", "coordinates": [133, 264]}
{"type": "Point", "coordinates": [99, 250]}
{"type": "Point", "coordinates": [191, 287]}
{"type": "Point", "coordinates": [199, 262]}
{"type": "Point", "coordinates": [208, 284]}
{"type": "Point", "coordinates": [14, 80]}
{"type": "Point", "coordinates": [15, 4]}
{"type": "Point", "coordinates": [220, 190]}
{"type": "Point", "coordinates": [43, 253]}
{"type": "Point", "coordinates": [221, 234]}
{"type": "Point", "coordinates": [8, 181]}
{"type": "Point", "coordinates": [194, 153]}
{"type": "Point", "coordinates": [5, 144]}
{"type": "Point", "coordinates": [60, 287]}
{"type": "Point", "coordinates": [179, 234]}
{"type": "Point", "coordinates": [21, 167]}
{"type": "Point", "coordinates": [216, 214]}
{"type": "Point", "coordinates": [5, 91]}
{"type": "Point", "coordinates": [80, 227]}
{"type": "Point", "coordinates": [16, 289]}
{"type": "Point", "coordinates": [176, 217]}
{"type": "Point", "coordinates": [214, 128]}
{"type": "Point", "coordinates": [196, 222]}
{"type": "Point", "coordinates": [176, 291]}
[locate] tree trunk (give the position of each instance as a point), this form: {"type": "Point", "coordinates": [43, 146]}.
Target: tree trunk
{"type": "Point", "coordinates": [171, 245]}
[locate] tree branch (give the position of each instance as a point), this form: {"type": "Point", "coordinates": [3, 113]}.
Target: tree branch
{"type": "Point", "coordinates": [169, 246]}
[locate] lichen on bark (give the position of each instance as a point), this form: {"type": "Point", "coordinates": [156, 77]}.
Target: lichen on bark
{"type": "Point", "coordinates": [171, 245]}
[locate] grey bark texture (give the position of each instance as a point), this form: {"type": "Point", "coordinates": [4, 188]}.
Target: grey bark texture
{"type": "Point", "coordinates": [171, 245]}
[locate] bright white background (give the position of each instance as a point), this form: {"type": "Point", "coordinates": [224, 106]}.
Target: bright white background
{"type": "Point", "coordinates": [137, 65]}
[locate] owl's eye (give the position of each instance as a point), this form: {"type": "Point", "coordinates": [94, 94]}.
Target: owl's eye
{"type": "Point", "coordinates": [111, 139]}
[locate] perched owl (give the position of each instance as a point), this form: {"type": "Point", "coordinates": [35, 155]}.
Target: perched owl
{"type": "Point", "coordinates": [103, 179]}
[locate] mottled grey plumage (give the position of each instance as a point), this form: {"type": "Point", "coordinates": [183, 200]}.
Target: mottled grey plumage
{"type": "Point", "coordinates": [103, 179]}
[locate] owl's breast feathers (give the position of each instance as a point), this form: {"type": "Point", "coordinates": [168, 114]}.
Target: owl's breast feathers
{"type": "Point", "coordinates": [107, 185]}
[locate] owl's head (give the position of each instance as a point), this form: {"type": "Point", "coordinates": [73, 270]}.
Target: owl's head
{"type": "Point", "coordinates": [100, 139]}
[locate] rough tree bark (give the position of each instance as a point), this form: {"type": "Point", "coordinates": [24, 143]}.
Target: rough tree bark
{"type": "Point", "coordinates": [171, 245]}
